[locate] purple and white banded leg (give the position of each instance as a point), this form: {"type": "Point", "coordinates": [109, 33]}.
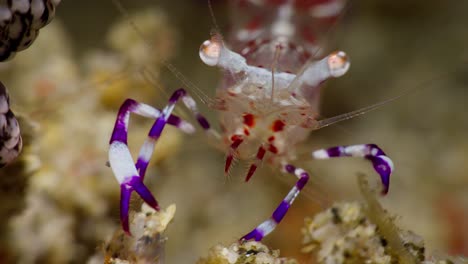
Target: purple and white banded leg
{"type": "Point", "coordinates": [121, 161]}
{"type": "Point", "coordinates": [146, 150]}
{"type": "Point", "coordinates": [129, 175]}
{"type": "Point", "coordinates": [270, 224]}
{"type": "Point", "coordinates": [382, 164]}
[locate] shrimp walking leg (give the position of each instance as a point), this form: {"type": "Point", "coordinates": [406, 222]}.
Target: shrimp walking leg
{"type": "Point", "coordinates": [129, 175]}
{"type": "Point", "coordinates": [382, 164]}
{"type": "Point", "coordinates": [158, 126]}
{"type": "Point", "coordinates": [270, 224]}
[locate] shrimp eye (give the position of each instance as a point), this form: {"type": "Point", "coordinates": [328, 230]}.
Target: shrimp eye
{"type": "Point", "coordinates": [210, 52]}
{"type": "Point", "coordinates": [338, 63]}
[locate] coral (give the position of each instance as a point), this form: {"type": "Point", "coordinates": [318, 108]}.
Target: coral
{"type": "Point", "coordinates": [342, 234]}
{"type": "Point", "coordinates": [73, 189]}
{"type": "Point", "coordinates": [146, 245]}
{"type": "Point", "coordinates": [74, 100]}
{"type": "Point", "coordinates": [20, 22]}
{"type": "Point", "coordinates": [43, 76]}
{"type": "Point", "coordinates": [250, 252]}
{"type": "Point", "coordinates": [48, 231]}
{"type": "Point", "coordinates": [354, 232]}
{"type": "Point", "coordinates": [134, 58]}
{"type": "Point", "coordinates": [405, 246]}
{"type": "Point", "coordinates": [10, 135]}
{"type": "Point", "coordinates": [138, 45]}
{"type": "Point", "coordinates": [14, 181]}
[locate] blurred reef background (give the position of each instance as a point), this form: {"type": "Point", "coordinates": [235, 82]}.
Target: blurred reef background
{"type": "Point", "coordinates": [60, 202]}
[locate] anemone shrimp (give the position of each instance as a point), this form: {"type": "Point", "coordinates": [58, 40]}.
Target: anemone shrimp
{"type": "Point", "coordinates": [264, 111]}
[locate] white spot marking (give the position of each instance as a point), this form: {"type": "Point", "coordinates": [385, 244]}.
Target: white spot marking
{"type": "Point", "coordinates": [266, 227]}
{"type": "Point", "coordinates": [320, 154]}
{"type": "Point", "coordinates": [147, 111]}
{"type": "Point", "coordinates": [388, 161]}
{"type": "Point", "coordinates": [292, 195]}
{"type": "Point", "coordinates": [121, 161]}
{"type": "Point", "coordinates": [147, 149]}
{"type": "Point", "coordinates": [357, 150]}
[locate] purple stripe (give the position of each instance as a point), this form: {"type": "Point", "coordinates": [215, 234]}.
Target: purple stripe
{"type": "Point", "coordinates": [174, 120]}
{"type": "Point", "coordinates": [119, 133]}
{"type": "Point", "coordinates": [289, 168]}
{"type": "Point", "coordinates": [280, 211]}
{"type": "Point", "coordinates": [157, 128]}
{"type": "Point", "coordinates": [127, 104]}
{"type": "Point", "coordinates": [335, 152]}
{"type": "Point", "coordinates": [383, 169]}
{"type": "Point", "coordinates": [120, 128]}
{"type": "Point", "coordinates": [141, 166]}
{"type": "Point", "coordinates": [176, 95]}
{"type": "Point", "coordinates": [139, 187]}
{"type": "Point", "coordinates": [302, 181]}
{"type": "Point", "coordinates": [203, 122]}
{"type": "Point", "coordinates": [125, 194]}
{"type": "Point", "coordinates": [254, 234]}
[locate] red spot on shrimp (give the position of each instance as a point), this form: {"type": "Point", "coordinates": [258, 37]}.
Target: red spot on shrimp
{"type": "Point", "coordinates": [255, 23]}
{"type": "Point", "coordinates": [260, 153]}
{"type": "Point", "coordinates": [236, 141]}
{"type": "Point", "coordinates": [236, 138]}
{"type": "Point", "coordinates": [308, 35]}
{"type": "Point", "coordinates": [278, 125]}
{"type": "Point", "coordinates": [251, 172]}
{"type": "Point", "coordinates": [228, 163]}
{"type": "Point", "coordinates": [271, 139]}
{"type": "Point", "coordinates": [249, 120]}
{"type": "Point", "coordinates": [273, 149]}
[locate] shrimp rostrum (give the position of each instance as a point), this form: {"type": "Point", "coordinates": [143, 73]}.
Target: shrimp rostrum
{"type": "Point", "coordinates": [268, 102]}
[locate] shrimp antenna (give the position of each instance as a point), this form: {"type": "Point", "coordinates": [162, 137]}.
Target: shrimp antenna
{"type": "Point", "coordinates": [355, 113]}
{"type": "Point", "coordinates": [181, 77]}
{"type": "Point", "coordinates": [332, 120]}
{"type": "Point", "coordinates": [328, 32]}
{"type": "Point", "coordinates": [216, 30]}
{"type": "Point", "coordinates": [273, 69]}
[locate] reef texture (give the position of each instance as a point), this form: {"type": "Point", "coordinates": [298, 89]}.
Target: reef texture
{"type": "Point", "coordinates": [14, 182]}
{"type": "Point", "coordinates": [146, 245]}
{"type": "Point", "coordinates": [69, 204]}
{"type": "Point", "coordinates": [250, 252]}
{"type": "Point", "coordinates": [353, 232]}
{"type": "Point", "coordinates": [60, 201]}
{"type": "Point", "coordinates": [20, 22]}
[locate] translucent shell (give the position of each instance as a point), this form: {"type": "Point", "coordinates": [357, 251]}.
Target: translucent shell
{"type": "Point", "coordinates": [338, 63]}
{"type": "Point", "coordinates": [210, 52]}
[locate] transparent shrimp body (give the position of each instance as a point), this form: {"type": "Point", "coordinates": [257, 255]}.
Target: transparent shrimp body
{"type": "Point", "coordinates": [268, 102]}
{"type": "Point", "coordinates": [269, 99]}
